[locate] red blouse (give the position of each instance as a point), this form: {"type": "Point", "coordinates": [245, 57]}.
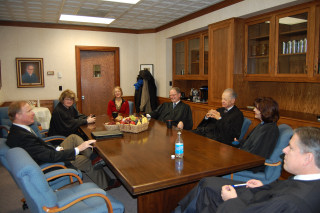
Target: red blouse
{"type": "Point", "coordinates": [124, 109]}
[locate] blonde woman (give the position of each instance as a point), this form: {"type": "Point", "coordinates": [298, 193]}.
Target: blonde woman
{"type": "Point", "coordinates": [118, 104]}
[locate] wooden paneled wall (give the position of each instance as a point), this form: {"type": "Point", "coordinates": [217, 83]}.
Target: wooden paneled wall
{"type": "Point", "coordinates": [298, 97]}
{"type": "Point", "coordinates": [185, 85]}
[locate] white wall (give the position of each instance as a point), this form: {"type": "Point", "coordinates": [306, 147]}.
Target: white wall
{"type": "Point", "coordinates": [57, 48]}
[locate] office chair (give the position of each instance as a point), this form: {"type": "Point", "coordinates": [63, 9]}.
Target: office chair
{"type": "Point", "coordinates": [273, 165]}
{"type": "Point", "coordinates": [54, 184]}
{"type": "Point", "coordinates": [130, 107]}
{"type": "Point", "coordinates": [245, 126]}
{"type": "Point", "coordinates": [85, 197]}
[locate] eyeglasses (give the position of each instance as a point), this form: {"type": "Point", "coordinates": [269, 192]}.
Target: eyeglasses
{"type": "Point", "coordinates": [69, 99]}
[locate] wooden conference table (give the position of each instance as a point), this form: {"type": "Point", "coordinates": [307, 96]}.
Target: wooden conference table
{"type": "Point", "coordinates": [143, 162]}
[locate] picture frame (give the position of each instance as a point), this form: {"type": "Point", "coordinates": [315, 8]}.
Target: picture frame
{"type": "Point", "coordinates": [148, 67]}
{"type": "Point", "coordinates": [29, 72]}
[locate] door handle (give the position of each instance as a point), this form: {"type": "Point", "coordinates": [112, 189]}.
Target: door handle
{"type": "Point", "coordinates": [82, 97]}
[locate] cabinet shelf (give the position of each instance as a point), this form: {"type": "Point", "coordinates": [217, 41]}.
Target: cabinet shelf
{"type": "Point", "coordinates": [293, 54]}
{"type": "Point", "coordinates": [258, 56]}
{"type": "Point", "coordinates": [260, 38]}
{"type": "Point", "coordinates": [294, 32]}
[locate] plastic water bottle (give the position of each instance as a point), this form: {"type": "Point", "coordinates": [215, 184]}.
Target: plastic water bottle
{"type": "Point", "coordinates": [179, 146]}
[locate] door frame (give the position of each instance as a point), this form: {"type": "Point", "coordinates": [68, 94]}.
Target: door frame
{"type": "Point", "coordinates": [78, 49]}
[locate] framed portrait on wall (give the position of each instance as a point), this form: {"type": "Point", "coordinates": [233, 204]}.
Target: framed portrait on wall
{"type": "Point", "coordinates": [29, 72]}
{"type": "Point", "coordinates": [147, 67]}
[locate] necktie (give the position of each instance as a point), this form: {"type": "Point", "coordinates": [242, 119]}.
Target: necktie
{"type": "Point", "coordinates": [33, 132]}
{"type": "Point", "coordinates": [174, 105]}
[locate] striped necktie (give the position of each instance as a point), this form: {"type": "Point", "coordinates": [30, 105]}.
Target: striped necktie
{"type": "Point", "coordinates": [33, 132]}
{"type": "Point", "coordinates": [174, 105]}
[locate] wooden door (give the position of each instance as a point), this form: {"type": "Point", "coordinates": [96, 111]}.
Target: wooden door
{"type": "Point", "coordinates": [97, 74]}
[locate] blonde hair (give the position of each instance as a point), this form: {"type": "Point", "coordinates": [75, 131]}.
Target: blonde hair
{"type": "Point", "coordinates": [67, 94]}
{"type": "Point", "coordinates": [114, 90]}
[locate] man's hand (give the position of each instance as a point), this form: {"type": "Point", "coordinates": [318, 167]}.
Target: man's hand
{"type": "Point", "coordinates": [216, 115]}
{"type": "Point", "coordinates": [210, 113]}
{"type": "Point", "coordinates": [228, 192]}
{"type": "Point", "coordinates": [85, 145]}
{"type": "Point", "coordinates": [253, 183]}
{"type": "Point", "coordinates": [180, 125]}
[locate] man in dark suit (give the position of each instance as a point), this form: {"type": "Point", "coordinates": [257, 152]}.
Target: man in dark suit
{"type": "Point", "coordinates": [72, 149]}
{"type": "Point", "coordinates": [223, 124]}
{"type": "Point", "coordinates": [299, 194]}
{"type": "Point", "coordinates": [29, 76]}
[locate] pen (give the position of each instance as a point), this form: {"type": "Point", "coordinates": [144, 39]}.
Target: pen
{"type": "Point", "coordinates": [238, 185]}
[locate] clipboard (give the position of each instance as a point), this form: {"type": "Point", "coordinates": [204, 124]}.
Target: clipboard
{"type": "Point", "coordinates": [106, 134]}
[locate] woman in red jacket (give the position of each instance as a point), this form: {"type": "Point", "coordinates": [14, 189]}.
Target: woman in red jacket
{"type": "Point", "coordinates": [118, 104]}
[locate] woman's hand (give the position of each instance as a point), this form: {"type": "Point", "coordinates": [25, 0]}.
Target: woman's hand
{"type": "Point", "coordinates": [91, 119]}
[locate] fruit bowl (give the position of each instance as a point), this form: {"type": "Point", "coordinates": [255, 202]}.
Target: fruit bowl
{"type": "Point", "coordinates": [134, 128]}
{"type": "Point", "coordinates": [112, 126]}
{"type": "Point", "coordinates": [134, 124]}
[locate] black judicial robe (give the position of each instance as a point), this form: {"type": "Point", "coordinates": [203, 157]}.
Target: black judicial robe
{"type": "Point", "coordinates": [261, 141]}
{"type": "Point", "coordinates": [283, 196]}
{"type": "Point", "coordinates": [65, 121]}
{"type": "Point", "coordinates": [286, 196]}
{"type": "Point", "coordinates": [223, 130]}
{"type": "Point", "coordinates": [181, 112]}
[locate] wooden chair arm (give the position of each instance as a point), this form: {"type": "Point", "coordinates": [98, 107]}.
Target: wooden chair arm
{"type": "Point", "coordinates": [54, 165]}
{"type": "Point", "coordinates": [273, 164]}
{"type": "Point", "coordinates": [56, 209]}
{"type": "Point", "coordinates": [5, 128]}
{"type": "Point", "coordinates": [66, 174]}
{"type": "Point", "coordinates": [265, 163]}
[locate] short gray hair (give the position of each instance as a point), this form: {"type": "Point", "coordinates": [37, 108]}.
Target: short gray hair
{"type": "Point", "coordinates": [177, 89]}
{"type": "Point", "coordinates": [309, 141]}
{"type": "Point", "coordinates": [232, 93]}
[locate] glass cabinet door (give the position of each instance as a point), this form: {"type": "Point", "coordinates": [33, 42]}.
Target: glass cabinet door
{"type": "Point", "coordinates": [180, 58]}
{"type": "Point", "coordinates": [206, 51]}
{"type": "Point", "coordinates": [194, 56]}
{"type": "Point", "coordinates": [258, 48]}
{"type": "Point", "coordinates": [292, 44]}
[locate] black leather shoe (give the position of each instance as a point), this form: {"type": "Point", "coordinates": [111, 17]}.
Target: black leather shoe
{"type": "Point", "coordinates": [114, 183]}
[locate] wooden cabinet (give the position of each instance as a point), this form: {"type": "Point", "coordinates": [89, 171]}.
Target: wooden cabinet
{"type": "Point", "coordinates": [190, 61]}
{"type": "Point", "coordinates": [282, 46]}
{"type": "Point", "coordinates": [257, 47]}
{"type": "Point", "coordinates": [226, 56]}
{"type": "Point", "coordinates": [190, 57]}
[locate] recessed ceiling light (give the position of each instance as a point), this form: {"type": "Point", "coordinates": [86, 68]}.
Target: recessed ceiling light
{"type": "Point", "coordinates": [87, 19]}
{"type": "Point", "coordinates": [125, 1]}
{"type": "Point", "coordinates": [291, 20]}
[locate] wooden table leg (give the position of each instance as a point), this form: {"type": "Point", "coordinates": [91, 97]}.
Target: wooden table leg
{"type": "Point", "coordinates": [165, 200]}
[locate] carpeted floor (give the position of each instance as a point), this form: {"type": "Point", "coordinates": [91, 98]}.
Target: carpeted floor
{"type": "Point", "coordinates": [10, 195]}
